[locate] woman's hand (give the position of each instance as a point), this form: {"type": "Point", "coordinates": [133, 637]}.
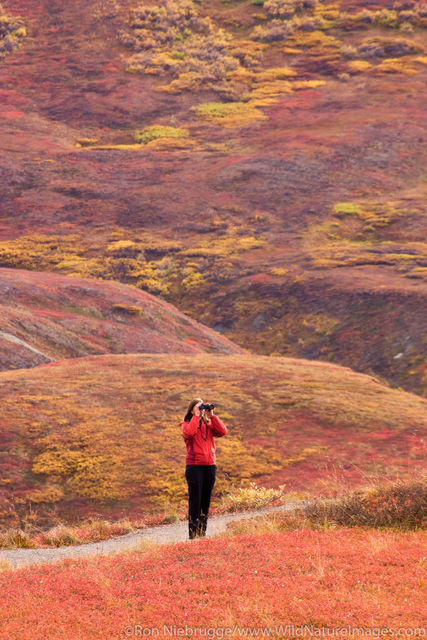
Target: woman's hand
{"type": "Point", "coordinates": [196, 409]}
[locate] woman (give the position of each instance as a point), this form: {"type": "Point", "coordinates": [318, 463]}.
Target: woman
{"type": "Point", "coordinates": [198, 430]}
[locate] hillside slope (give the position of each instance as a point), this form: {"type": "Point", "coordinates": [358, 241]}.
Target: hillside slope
{"type": "Point", "coordinates": [272, 143]}
{"type": "Point", "coordinates": [48, 316]}
{"type": "Point", "coordinates": [100, 434]}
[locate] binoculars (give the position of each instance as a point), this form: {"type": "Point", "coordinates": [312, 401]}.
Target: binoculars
{"type": "Point", "coordinates": [209, 407]}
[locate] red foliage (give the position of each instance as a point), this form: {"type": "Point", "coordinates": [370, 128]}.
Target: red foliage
{"type": "Point", "coordinates": [11, 114]}
{"type": "Point", "coordinates": [260, 277]}
{"type": "Point", "coordinates": [334, 578]}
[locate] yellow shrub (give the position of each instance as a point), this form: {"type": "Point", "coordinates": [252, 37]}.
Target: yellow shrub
{"type": "Point", "coordinates": [307, 84]}
{"type": "Point", "coordinates": [154, 132]}
{"type": "Point", "coordinates": [396, 65]}
{"type": "Point", "coordinates": [95, 478]}
{"type": "Point", "coordinates": [291, 50]}
{"type": "Point", "coordinates": [313, 39]}
{"type": "Point", "coordinates": [51, 493]}
{"type": "Point", "coordinates": [268, 92]}
{"type": "Point", "coordinates": [400, 256]}
{"type": "Point", "coordinates": [120, 244]}
{"type": "Point", "coordinates": [153, 286]}
{"type": "Point", "coordinates": [56, 461]}
{"type": "Point", "coordinates": [193, 280]}
{"type": "Point", "coordinates": [275, 73]}
{"type": "Point", "coordinates": [229, 114]}
{"type": "Point", "coordinates": [358, 65]}
{"type": "Point", "coordinates": [252, 497]}
{"type": "Point", "coordinates": [120, 147]}
{"type": "Point", "coordinates": [277, 271]}
{"type": "Point", "coordinates": [346, 208]}
{"type": "Point", "coordinates": [86, 142]}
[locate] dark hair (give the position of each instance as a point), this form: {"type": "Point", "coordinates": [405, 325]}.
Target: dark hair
{"type": "Point", "coordinates": [189, 413]}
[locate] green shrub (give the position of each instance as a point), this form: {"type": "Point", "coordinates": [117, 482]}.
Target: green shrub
{"type": "Point", "coordinates": [229, 114]}
{"type": "Point", "coordinates": [346, 208]}
{"type": "Point", "coordinates": [155, 132]}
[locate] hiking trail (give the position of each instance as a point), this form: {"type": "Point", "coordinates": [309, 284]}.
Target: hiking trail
{"type": "Point", "coordinates": [161, 534]}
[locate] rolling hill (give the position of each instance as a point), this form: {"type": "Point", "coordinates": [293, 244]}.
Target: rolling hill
{"type": "Point", "coordinates": [100, 435]}
{"type": "Point", "coordinates": [48, 316]}
{"type": "Point", "coordinates": [257, 164]}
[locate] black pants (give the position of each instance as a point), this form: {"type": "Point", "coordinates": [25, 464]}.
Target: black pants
{"type": "Point", "coordinates": [200, 479]}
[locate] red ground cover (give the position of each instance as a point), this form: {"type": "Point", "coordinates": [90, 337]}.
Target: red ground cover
{"type": "Point", "coordinates": [336, 578]}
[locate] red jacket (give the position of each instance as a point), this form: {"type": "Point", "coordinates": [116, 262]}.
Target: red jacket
{"type": "Point", "coordinates": [199, 439]}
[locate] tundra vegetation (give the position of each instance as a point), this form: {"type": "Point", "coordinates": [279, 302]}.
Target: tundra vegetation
{"type": "Point", "coordinates": [225, 71]}
{"type": "Point", "coordinates": [311, 575]}
{"type": "Point", "coordinates": [240, 159]}
{"type": "Point", "coordinates": [75, 451]}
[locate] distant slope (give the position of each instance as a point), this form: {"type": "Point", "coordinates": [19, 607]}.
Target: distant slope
{"type": "Point", "coordinates": [48, 316]}
{"type": "Point", "coordinates": [286, 149]}
{"type": "Point", "coordinates": [101, 435]}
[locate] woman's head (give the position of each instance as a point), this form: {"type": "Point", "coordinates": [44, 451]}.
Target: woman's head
{"type": "Point", "coordinates": [190, 410]}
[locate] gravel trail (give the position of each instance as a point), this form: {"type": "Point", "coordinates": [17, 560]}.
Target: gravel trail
{"type": "Point", "coordinates": [162, 534]}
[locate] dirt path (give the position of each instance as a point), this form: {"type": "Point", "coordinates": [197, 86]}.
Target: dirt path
{"type": "Point", "coordinates": [163, 534]}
